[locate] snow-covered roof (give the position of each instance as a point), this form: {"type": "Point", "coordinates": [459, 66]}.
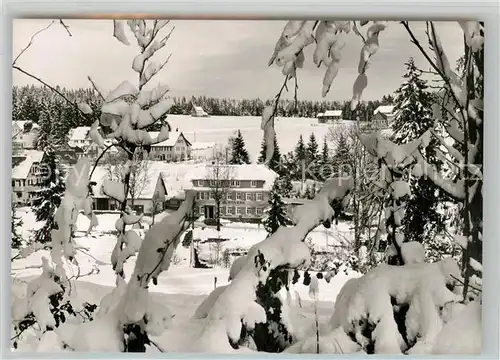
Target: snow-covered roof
{"type": "Point", "coordinates": [237, 172]}
{"type": "Point", "coordinates": [331, 113]}
{"type": "Point", "coordinates": [79, 133]}
{"type": "Point", "coordinates": [21, 170]}
{"type": "Point", "coordinates": [172, 174]}
{"type": "Point", "coordinates": [22, 123]}
{"type": "Point", "coordinates": [384, 109]}
{"type": "Point", "coordinates": [173, 136]}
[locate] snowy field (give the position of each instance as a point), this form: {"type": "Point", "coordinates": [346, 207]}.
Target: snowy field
{"type": "Point", "coordinates": [218, 129]}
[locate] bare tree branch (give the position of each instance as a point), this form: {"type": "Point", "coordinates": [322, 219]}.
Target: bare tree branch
{"type": "Point", "coordinates": [31, 41]}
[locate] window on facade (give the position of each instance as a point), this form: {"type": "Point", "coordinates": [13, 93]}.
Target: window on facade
{"type": "Point", "coordinates": [259, 211]}
{"type": "Point", "coordinates": [200, 182]}
{"type": "Point", "coordinates": [253, 183]}
{"type": "Point", "coordinates": [249, 197]}
{"type": "Point", "coordinates": [228, 196]}
{"type": "Point", "coordinates": [235, 183]}
{"type": "Point", "coordinates": [211, 195]}
{"type": "Point", "coordinates": [229, 210]}
{"type": "Point", "coordinates": [197, 196]}
{"type": "Point", "coordinates": [259, 197]}
{"type": "Point", "coordinates": [249, 211]}
{"type": "Point", "coordinates": [212, 182]}
{"type": "Point", "coordinates": [201, 210]}
{"type": "Point", "coordinates": [19, 194]}
{"type": "Point", "coordinates": [238, 196]}
{"type": "Point", "coordinates": [239, 210]}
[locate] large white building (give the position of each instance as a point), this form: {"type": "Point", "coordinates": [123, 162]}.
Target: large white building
{"type": "Point", "coordinates": [246, 190]}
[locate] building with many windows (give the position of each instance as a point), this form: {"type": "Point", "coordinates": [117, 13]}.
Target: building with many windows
{"type": "Point", "coordinates": [175, 148]}
{"type": "Point", "coordinates": [28, 175]}
{"type": "Point", "coordinates": [245, 190]}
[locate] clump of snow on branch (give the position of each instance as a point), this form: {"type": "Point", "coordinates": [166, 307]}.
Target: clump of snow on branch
{"type": "Point", "coordinates": [328, 37]}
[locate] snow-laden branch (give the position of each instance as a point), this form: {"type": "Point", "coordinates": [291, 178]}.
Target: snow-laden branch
{"type": "Point", "coordinates": [286, 247]}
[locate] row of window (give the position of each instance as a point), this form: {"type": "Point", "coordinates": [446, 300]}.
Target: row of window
{"type": "Point", "coordinates": [201, 195]}
{"type": "Point", "coordinates": [236, 210]}
{"type": "Point", "coordinates": [223, 183]}
{"type": "Point", "coordinates": [169, 148]}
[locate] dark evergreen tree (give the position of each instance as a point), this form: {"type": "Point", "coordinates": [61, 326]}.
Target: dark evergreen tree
{"type": "Point", "coordinates": [16, 223]}
{"type": "Point", "coordinates": [274, 164]}
{"type": "Point", "coordinates": [413, 118]}
{"type": "Point", "coordinates": [299, 159]}
{"type": "Point", "coordinates": [277, 215]}
{"type": "Point", "coordinates": [312, 158]}
{"type": "Point", "coordinates": [239, 155]}
{"type": "Point", "coordinates": [324, 170]}
{"type": "Point", "coordinates": [49, 197]}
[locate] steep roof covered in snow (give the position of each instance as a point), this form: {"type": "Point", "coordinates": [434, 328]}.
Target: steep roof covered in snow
{"type": "Point", "coordinates": [238, 172]}
{"type": "Point", "coordinates": [22, 124]}
{"type": "Point", "coordinates": [173, 136]}
{"type": "Point", "coordinates": [79, 133]}
{"type": "Point", "coordinates": [384, 109]}
{"type": "Point", "coordinates": [21, 170]}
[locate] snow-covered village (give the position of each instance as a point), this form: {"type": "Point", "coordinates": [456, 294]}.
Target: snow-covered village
{"type": "Point", "coordinates": [236, 187]}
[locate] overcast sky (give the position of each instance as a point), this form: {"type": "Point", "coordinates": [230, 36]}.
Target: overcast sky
{"type": "Point", "coordinates": [214, 58]}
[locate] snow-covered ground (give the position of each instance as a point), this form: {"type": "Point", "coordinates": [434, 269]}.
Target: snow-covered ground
{"type": "Point", "coordinates": [218, 129]}
{"type": "Point", "coordinates": [181, 288]}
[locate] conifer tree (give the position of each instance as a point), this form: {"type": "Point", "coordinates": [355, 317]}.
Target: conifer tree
{"type": "Point", "coordinates": [414, 117]}
{"type": "Point", "coordinates": [312, 158]}
{"type": "Point", "coordinates": [49, 197]}
{"type": "Point", "coordinates": [299, 159]}
{"type": "Point", "coordinates": [239, 155]}
{"type": "Point", "coordinates": [324, 170]}
{"type": "Point", "coordinates": [15, 224]}
{"type": "Point", "coordinates": [276, 216]}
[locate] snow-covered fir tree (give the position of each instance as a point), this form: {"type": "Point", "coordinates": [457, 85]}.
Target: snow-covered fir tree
{"type": "Point", "coordinates": [239, 154]}
{"type": "Point", "coordinates": [276, 213]}
{"type": "Point", "coordinates": [48, 198]}
{"type": "Point", "coordinates": [312, 162]}
{"type": "Point", "coordinates": [413, 117]}
{"type": "Point", "coordinates": [15, 227]}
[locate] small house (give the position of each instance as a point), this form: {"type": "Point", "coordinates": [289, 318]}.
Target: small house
{"type": "Point", "coordinates": [198, 111]}
{"type": "Point", "coordinates": [329, 116]}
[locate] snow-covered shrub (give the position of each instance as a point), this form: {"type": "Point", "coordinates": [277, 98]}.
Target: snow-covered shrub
{"type": "Point", "coordinates": [395, 308]}
{"type": "Point", "coordinates": [48, 303]}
